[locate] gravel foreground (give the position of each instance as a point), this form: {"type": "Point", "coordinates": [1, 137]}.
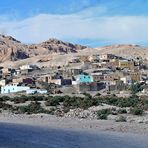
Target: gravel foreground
{"type": "Point", "coordinates": [47, 131]}
{"type": "Point", "coordinates": [23, 136]}
{"type": "Point", "coordinates": [51, 121]}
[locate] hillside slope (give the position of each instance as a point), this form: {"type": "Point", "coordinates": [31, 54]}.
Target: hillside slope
{"type": "Point", "coordinates": [127, 51]}
{"type": "Point", "coordinates": [13, 50]}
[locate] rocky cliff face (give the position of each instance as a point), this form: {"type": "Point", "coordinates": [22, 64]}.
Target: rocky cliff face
{"type": "Point", "coordinates": [56, 46]}
{"type": "Point", "coordinates": [12, 49]}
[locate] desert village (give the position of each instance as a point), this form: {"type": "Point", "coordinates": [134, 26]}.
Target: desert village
{"type": "Point", "coordinates": [104, 73]}
{"type": "Point", "coordinates": [73, 82]}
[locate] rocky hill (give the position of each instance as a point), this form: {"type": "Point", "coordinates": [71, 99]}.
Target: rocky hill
{"type": "Point", "coordinates": [13, 50]}
{"type": "Point", "coordinates": [56, 46]}
{"type": "Point", "coordinates": [127, 51]}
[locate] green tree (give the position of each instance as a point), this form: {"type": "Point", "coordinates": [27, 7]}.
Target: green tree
{"type": "Point", "coordinates": [135, 88]}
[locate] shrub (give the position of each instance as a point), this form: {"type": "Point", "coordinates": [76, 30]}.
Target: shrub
{"type": "Point", "coordinates": [35, 107]}
{"type": "Point", "coordinates": [23, 109]}
{"type": "Point", "coordinates": [4, 98]}
{"type": "Point", "coordinates": [51, 111]}
{"type": "Point", "coordinates": [135, 88]}
{"type": "Point", "coordinates": [32, 108]}
{"type": "Point", "coordinates": [102, 114]}
{"type": "Point", "coordinates": [85, 103]}
{"type": "Point", "coordinates": [5, 106]}
{"type": "Point", "coordinates": [137, 111]}
{"type": "Point", "coordinates": [121, 102]}
{"type": "Point", "coordinates": [19, 100]}
{"type": "Point", "coordinates": [87, 95]}
{"type": "Point", "coordinates": [122, 111]}
{"type": "Point", "coordinates": [121, 119]}
{"type": "Point", "coordinates": [52, 102]}
{"type": "Point", "coordinates": [73, 102]}
{"type": "Point", "coordinates": [36, 98]}
{"type": "Point", "coordinates": [66, 109]}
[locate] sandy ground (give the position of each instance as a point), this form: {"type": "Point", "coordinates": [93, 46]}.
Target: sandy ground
{"type": "Point", "coordinates": [51, 121]}
{"type": "Point", "coordinates": [53, 59]}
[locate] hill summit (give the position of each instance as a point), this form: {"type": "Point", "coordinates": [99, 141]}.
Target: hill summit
{"type": "Point", "coordinates": [13, 50]}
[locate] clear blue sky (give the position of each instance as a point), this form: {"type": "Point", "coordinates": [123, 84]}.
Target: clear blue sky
{"type": "Point", "coordinates": [90, 22]}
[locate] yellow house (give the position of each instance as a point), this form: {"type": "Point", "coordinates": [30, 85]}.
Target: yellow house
{"type": "Point", "coordinates": [126, 64]}
{"type": "Point", "coordinates": [123, 63]}
{"type": "Point", "coordinates": [135, 76]}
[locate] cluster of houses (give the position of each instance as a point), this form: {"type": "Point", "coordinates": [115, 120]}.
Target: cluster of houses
{"type": "Point", "coordinates": [83, 74]}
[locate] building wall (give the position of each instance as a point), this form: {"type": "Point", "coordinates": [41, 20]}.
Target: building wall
{"type": "Point", "coordinates": [112, 77]}
{"type": "Point", "coordinates": [120, 86]}
{"type": "Point", "coordinates": [56, 81]}
{"type": "Point", "coordinates": [24, 67]}
{"type": "Point", "coordinates": [2, 82]}
{"type": "Point", "coordinates": [135, 76]}
{"type": "Point", "coordinates": [96, 65]}
{"type": "Point", "coordinates": [71, 72]}
{"type": "Point", "coordinates": [24, 71]}
{"type": "Point", "coordinates": [28, 81]}
{"type": "Point", "coordinates": [86, 58]}
{"type": "Point", "coordinates": [123, 64]}
{"type": "Point", "coordinates": [126, 80]}
{"type": "Point", "coordinates": [103, 57]}
{"type": "Point", "coordinates": [6, 72]}
{"type": "Point", "coordinates": [48, 79]}
{"type": "Point", "coordinates": [114, 63]}
{"type": "Point", "coordinates": [17, 80]}
{"type": "Point", "coordinates": [84, 78]}
{"type": "Point", "coordinates": [106, 56]}
{"type": "Point", "coordinates": [126, 64]}
{"type": "Point", "coordinates": [38, 91]}
{"type": "Point", "coordinates": [13, 89]}
{"type": "Point", "coordinates": [66, 82]}
{"type": "Point", "coordinates": [98, 77]}
{"type": "Point", "coordinates": [84, 87]}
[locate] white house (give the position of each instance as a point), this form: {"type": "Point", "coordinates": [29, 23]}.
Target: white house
{"type": "Point", "coordinates": [25, 67]}
{"type": "Point", "coordinates": [13, 89]}
{"type": "Point", "coordinates": [2, 82]}
{"type": "Point", "coordinates": [36, 91]}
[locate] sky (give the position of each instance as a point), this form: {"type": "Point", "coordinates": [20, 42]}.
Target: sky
{"type": "Point", "coordinates": [87, 22]}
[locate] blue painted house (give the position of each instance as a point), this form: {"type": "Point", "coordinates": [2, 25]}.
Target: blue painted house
{"type": "Point", "coordinates": [13, 89]}
{"type": "Point", "coordinates": [83, 78]}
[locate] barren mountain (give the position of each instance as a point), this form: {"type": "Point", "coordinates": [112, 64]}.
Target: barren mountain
{"type": "Point", "coordinates": [56, 46]}
{"type": "Point", "coordinates": [12, 49]}
{"type": "Point", "coordinates": [127, 51]}
{"type": "Point", "coordinates": [56, 52]}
